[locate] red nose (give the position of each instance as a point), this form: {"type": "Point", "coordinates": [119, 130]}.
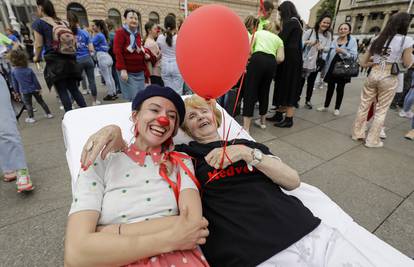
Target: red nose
{"type": "Point", "coordinates": [163, 121]}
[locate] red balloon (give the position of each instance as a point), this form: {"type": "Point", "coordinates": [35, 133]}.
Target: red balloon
{"type": "Point", "coordinates": [212, 50]}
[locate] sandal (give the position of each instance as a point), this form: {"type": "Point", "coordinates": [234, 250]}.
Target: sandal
{"type": "Point", "coordinates": [9, 176]}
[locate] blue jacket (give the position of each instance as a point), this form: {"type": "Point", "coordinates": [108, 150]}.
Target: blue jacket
{"type": "Point", "coordinates": [24, 80]}
{"type": "Point", "coordinates": [351, 51]}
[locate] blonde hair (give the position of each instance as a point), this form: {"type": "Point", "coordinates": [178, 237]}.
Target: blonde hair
{"type": "Point", "coordinates": [272, 27]}
{"type": "Point", "coordinates": [197, 102]}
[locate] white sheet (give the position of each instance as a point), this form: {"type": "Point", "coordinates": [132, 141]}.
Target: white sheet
{"type": "Point", "coordinates": [79, 124]}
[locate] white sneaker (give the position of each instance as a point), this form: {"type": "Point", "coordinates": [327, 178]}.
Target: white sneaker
{"type": "Point", "coordinates": [96, 103]}
{"type": "Point", "coordinates": [404, 114]}
{"type": "Point", "coordinates": [49, 116]}
{"type": "Point", "coordinates": [258, 123]}
{"type": "Point", "coordinates": [322, 109]}
{"type": "Point", "coordinates": [383, 135]}
{"type": "Point", "coordinates": [380, 144]}
{"type": "Point", "coordinates": [336, 112]}
{"type": "Point", "coordinates": [30, 120]}
{"type": "Point", "coordinates": [84, 92]}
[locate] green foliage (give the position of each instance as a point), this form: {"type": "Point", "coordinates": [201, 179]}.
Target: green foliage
{"type": "Point", "coordinates": [328, 6]}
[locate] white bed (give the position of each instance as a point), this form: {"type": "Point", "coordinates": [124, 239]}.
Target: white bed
{"type": "Point", "coordinates": [79, 124]}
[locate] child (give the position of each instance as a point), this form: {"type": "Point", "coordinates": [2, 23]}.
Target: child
{"type": "Point", "coordinates": [25, 82]}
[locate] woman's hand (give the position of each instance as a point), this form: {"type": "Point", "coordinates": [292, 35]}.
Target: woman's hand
{"type": "Point", "coordinates": [108, 139]}
{"type": "Point", "coordinates": [234, 153]}
{"type": "Point", "coordinates": [186, 233]}
{"type": "Point", "coordinates": [124, 75]}
{"type": "Point", "coordinates": [340, 50]}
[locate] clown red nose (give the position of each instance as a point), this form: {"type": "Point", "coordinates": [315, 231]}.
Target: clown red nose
{"type": "Point", "coordinates": [163, 121]}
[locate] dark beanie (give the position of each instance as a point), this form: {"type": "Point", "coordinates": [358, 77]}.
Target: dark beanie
{"type": "Point", "coordinates": [166, 92]}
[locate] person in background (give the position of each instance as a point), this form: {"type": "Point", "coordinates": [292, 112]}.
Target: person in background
{"type": "Point", "coordinates": [28, 43]}
{"type": "Point", "coordinates": [62, 71]}
{"type": "Point", "coordinates": [266, 13]}
{"type": "Point", "coordinates": [392, 45]}
{"type": "Point", "coordinates": [170, 73]}
{"type": "Point", "coordinates": [100, 43]}
{"type": "Point", "coordinates": [317, 42]}
{"type": "Point", "coordinates": [111, 33]}
{"type": "Point", "coordinates": [267, 52]}
{"type": "Point", "coordinates": [84, 50]}
{"type": "Point", "coordinates": [289, 73]}
{"type": "Point", "coordinates": [12, 36]}
{"type": "Point", "coordinates": [151, 30]}
{"type": "Point", "coordinates": [130, 56]}
{"type": "Point", "coordinates": [26, 84]}
{"type": "Point", "coordinates": [345, 46]}
{"type": "Point", "coordinates": [12, 158]}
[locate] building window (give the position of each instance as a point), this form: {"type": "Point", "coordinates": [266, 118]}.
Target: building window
{"type": "Point", "coordinates": [375, 30]}
{"type": "Point", "coordinates": [412, 26]}
{"type": "Point", "coordinates": [348, 19]}
{"type": "Point", "coordinates": [115, 16]}
{"type": "Point", "coordinates": [80, 11]}
{"type": "Point", "coordinates": [154, 17]}
{"type": "Point", "coordinates": [374, 16]}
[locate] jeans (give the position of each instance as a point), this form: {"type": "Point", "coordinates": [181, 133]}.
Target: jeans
{"type": "Point", "coordinates": [171, 75]}
{"type": "Point", "coordinates": [27, 100]}
{"type": "Point", "coordinates": [105, 66]}
{"type": "Point", "coordinates": [11, 148]}
{"type": "Point", "coordinates": [63, 88]}
{"type": "Point", "coordinates": [134, 84]}
{"type": "Point", "coordinates": [86, 65]}
{"type": "Point", "coordinates": [408, 103]}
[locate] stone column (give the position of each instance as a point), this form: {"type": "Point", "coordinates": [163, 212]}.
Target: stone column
{"type": "Point", "coordinates": [353, 22]}
{"type": "Point", "coordinates": [386, 18]}
{"type": "Point", "coordinates": [364, 23]}
{"type": "Point", "coordinates": [15, 25]}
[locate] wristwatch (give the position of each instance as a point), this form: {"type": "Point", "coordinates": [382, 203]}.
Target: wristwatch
{"type": "Point", "coordinates": [257, 157]}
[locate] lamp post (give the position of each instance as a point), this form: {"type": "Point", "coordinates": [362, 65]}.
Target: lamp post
{"type": "Point", "coordinates": [409, 6]}
{"type": "Point", "coordinates": [15, 25]}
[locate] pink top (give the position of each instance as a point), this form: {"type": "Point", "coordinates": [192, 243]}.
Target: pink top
{"type": "Point", "coordinates": [153, 46]}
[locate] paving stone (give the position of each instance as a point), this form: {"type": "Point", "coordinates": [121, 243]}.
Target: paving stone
{"type": "Point", "coordinates": [45, 155]}
{"type": "Point", "coordinates": [398, 229]}
{"type": "Point", "coordinates": [298, 125]}
{"type": "Point", "coordinates": [342, 125]}
{"type": "Point", "coordinates": [395, 141]}
{"type": "Point", "coordinates": [321, 142]}
{"type": "Point", "coordinates": [34, 242]}
{"type": "Point", "coordinates": [367, 203]}
{"type": "Point", "coordinates": [381, 166]}
{"type": "Point", "coordinates": [298, 159]}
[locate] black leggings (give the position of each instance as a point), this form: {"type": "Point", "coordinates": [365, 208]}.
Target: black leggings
{"type": "Point", "coordinates": [260, 72]}
{"type": "Point", "coordinates": [309, 86]}
{"type": "Point", "coordinates": [339, 94]}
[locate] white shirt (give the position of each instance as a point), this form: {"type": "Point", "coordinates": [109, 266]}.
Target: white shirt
{"type": "Point", "coordinates": [124, 192]}
{"type": "Point", "coordinates": [395, 50]}
{"type": "Point", "coordinates": [168, 52]}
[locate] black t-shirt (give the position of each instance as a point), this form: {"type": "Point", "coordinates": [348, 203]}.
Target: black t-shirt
{"type": "Point", "coordinates": [250, 218]}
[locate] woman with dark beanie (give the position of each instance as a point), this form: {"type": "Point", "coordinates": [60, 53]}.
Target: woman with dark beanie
{"type": "Point", "coordinates": [288, 74]}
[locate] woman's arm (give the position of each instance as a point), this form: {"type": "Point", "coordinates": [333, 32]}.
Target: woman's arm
{"type": "Point", "coordinates": [407, 57]}
{"type": "Point", "coordinates": [279, 172]}
{"type": "Point", "coordinates": [38, 45]}
{"type": "Point", "coordinates": [85, 247]}
{"type": "Point", "coordinates": [280, 55]}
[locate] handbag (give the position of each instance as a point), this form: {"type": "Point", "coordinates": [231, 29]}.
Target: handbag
{"type": "Point", "coordinates": [397, 67]}
{"type": "Point", "coordinates": [346, 68]}
{"type": "Point", "coordinates": [320, 62]}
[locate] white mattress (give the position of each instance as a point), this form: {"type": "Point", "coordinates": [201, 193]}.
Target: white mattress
{"type": "Point", "coordinates": [79, 124]}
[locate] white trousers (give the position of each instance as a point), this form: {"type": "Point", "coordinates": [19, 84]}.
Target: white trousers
{"type": "Point", "coordinates": [323, 247]}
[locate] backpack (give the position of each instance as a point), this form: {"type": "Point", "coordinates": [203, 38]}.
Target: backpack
{"type": "Point", "coordinates": [63, 39]}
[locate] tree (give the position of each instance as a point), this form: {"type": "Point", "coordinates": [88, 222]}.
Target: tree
{"type": "Point", "coordinates": [327, 6]}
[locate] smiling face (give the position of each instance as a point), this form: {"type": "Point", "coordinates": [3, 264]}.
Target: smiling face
{"type": "Point", "coordinates": [152, 131]}
{"type": "Point", "coordinates": [132, 20]}
{"type": "Point", "coordinates": [325, 24]}
{"type": "Point", "coordinates": [200, 122]}
{"type": "Point", "coordinates": [343, 30]}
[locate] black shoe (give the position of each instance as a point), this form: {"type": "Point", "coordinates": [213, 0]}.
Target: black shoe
{"type": "Point", "coordinates": [296, 105]}
{"type": "Point", "coordinates": [287, 123]}
{"type": "Point", "coordinates": [278, 117]}
{"type": "Point", "coordinates": [109, 98]}
{"type": "Point", "coordinates": [308, 105]}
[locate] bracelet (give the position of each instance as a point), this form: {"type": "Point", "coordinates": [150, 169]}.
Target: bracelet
{"type": "Point", "coordinates": [119, 229]}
